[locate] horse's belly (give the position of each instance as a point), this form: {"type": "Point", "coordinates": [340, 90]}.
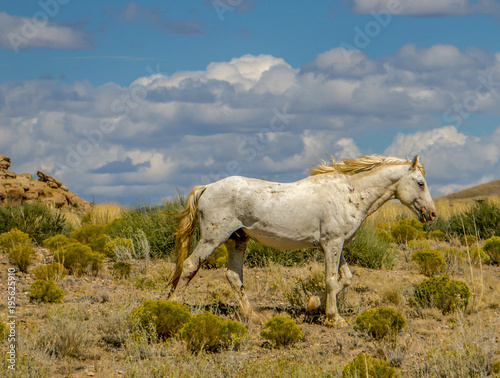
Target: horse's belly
{"type": "Point", "coordinates": [281, 240]}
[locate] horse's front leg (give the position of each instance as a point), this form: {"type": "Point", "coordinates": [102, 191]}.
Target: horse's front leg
{"type": "Point", "coordinates": [333, 255]}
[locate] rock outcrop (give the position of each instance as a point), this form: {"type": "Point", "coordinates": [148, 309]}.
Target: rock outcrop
{"type": "Point", "coordinates": [16, 188]}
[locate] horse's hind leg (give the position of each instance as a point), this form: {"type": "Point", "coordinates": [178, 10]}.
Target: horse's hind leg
{"type": "Point", "coordinates": [192, 264]}
{"type": "Point", "coordinates": [236, 246]}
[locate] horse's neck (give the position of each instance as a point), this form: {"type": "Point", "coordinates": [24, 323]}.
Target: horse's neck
{"type": "Point", "coordinates": [376, 187]}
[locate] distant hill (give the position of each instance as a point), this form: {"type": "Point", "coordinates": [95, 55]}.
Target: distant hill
{"type": "Point", "coordinates": [479, 191]}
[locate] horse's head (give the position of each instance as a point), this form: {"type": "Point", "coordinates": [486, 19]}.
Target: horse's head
{"type": "Point", "coordinates": [413, 192]}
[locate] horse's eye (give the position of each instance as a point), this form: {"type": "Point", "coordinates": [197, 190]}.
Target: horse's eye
{"type": "Point", "coordinates": [421, 184]}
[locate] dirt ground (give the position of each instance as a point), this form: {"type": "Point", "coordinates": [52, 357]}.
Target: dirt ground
{"type": "Point", "coordinates": [91, 324]}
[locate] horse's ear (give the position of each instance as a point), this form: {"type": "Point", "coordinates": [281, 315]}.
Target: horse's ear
{"type": "Point", "coordinates": [414, 163]}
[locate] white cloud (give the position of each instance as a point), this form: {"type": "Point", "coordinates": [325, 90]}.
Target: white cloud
{"type": "Point", "coordinates": [252, 115]}
{"type": "Point", "coordinates": [17, 33]}
{"type": "Point", "coordinates": [426, 7]}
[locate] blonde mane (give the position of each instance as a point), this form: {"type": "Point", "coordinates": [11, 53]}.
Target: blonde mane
{"type": "Point", "coordinates": [358, 165]}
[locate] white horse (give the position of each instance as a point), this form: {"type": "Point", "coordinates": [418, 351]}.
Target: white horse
{"type": "Point", "coordinates": [323, 210]}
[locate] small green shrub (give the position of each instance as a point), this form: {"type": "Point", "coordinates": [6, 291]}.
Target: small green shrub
{"type": "Point", "coordinates": [443, 292]}
{"type": "Point", "coordinates": [492, 248]}
{"type": "Point", "coordinates": [19, 248]}
{"type": "Point", "coordinates": [45, 291]}
{"type": "Point", "coordinates": [77, 258]}
{"type": "Point", "coordinates": [429, 261]}
{"type": "Point", "coordinates": [259, 256]}
{"type": "Point", "coordinates": [57, 241]}
{"type": "Point", "coordinates": [218, 258]}
{"type": "Point", "coordinates": [453, 255]}
{"type": "Point", "coordinates": [369, 250]}
{"type": "Point", "coordinates": [468, 240]}
{"type": "Point", "coordinates": [477, 254]}
{"type": "Point", "coordinates": [13, 238]}
{"type": "Point", "coordinates": [122, 269]}
{"type": "Point", "coordinates": [36, 219]}
{"type": "Point", "coordinates": [404, 231]}
{"type": "Point", "coordinates": [212, 333]}
{"type": "Point", "coordinates": [365, 366]}
{"type": "Point", "coordinates": [419, 244]}
{"type": "Point", "coordinates": [383, 230]}
{"type": "Point", "coordinates": [281, 331]}
{"type": "Point", "coordinates": [436, 235]}
{"type": "Point", "coordinates": [303, 289]}
{"type": "Point", "coordinates": [167, 317]}
{"type": "Point", "coordinates": [22, 256]}
{"type": "Point", "coordinates": [92, 235]}
{"type": "Point", "coordinates": [380, 322]}
{"type": "Point", "coordinates": [495, 367]}
{"type": "Point", "coordinates": [50, 272]}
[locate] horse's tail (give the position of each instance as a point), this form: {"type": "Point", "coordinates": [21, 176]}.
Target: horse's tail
{"type": "Point", "coordinates": [185, 230]}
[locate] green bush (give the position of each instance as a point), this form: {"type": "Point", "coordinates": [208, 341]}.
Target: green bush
{"type": "Point", "coordinates": [369, 250]}
{"type": "Point", "coordinates": [45, 291]}
{"type": "Point", "coordinates": [57, 241]}
{"type": "Point", "coordinates": [468, 240]}
{"type": "Point", "coordinates": [436, 235]}
{"type": "Point", "coordinates": [380, 322]}
{"type": "Point", "coordinates": [383, 230]}
{"type": "Point", "coordinates": [443, 292]}
{"type": "Point", "coordinates": [303, 289]}
{"type": "Point", "coordinates": [77, 258]}
{"type": "Point", "coordinates": [122, 269]}
{"type": "Point", "coordinates": [167, 317]}
{"type": "Point", "coordinates": [158, 227]}
{"type": "Point", "coordinates": [495, 367]}
{"type": "Point", "coordinates": [92, 235]}
{"type": "Point", "coordinates": [50, 272]}
{"type": "Point", "coordinates": [477, 254]}
{"type": "Point", "coordinates": [36, 219]}
{"type": "Point", "coordinates": [364, 366]}
{"type": "Point", "coordinates": [212, 333]}
{"type": "Point", "coordinates": [419, 244]}
{"type": "Point", "coordinates": [492, 248]}
{"type": "Point", "coordinates": [19, 248]}
{"type": "Point", "coordinates": [281, 331]}
{"type": "Point", "coordinates": [218, 258]}
{"type": "Point", "coordinates": [429, 261]}
{"type": "Point", "coordinates": [406, 230]}
{"type": "Point", "coordinates": [482, 219]}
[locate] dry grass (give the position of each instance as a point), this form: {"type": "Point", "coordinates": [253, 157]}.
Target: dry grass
{"type": "Point", "coordinates": [89, 333]}
{"type": "Point", "coordinates": [105, 213]}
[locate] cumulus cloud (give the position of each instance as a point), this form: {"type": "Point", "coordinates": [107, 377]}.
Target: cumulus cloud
{"type": "Point", "coordinates": [252, 115]}
{"type": "Point", "coordinates": [17, 33]}
{"type": "Point", "coordinates": [426, 7]}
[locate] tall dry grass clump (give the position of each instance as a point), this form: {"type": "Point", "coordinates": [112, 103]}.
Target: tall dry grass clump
{"type": "Point", "coordinates": [103, 214]}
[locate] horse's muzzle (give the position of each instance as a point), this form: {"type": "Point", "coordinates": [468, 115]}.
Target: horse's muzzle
{"type": "Point", "coordinates": [427, 215]}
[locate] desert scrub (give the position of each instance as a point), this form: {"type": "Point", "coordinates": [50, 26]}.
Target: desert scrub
{"type": "Point", "coordinates": [212, 333]}
{"type": "Point", "coordinates": [436, 235]}
{"type": "Point", "coordinates": [218, 258]}
{"type": "Point", "coordinates": [281, 331]}
{"type": "Point", "coordinates": [36, 219]}
{"type": "Point", "coordinates": [45, 291]}
{"type": "Point", "coordinates": [492, 248]}
{"type": "Point", "coordinates": [102, 214]}
{"type": "Point", "coordinates": [259, 256]}
{"type": "Point", "coordinates": [406, 230]}
{"type": "Point", "coordinates": [477, 255]}
{"type": "Point", "coordinates": [57, 241]}
{"type": "Point", "coordinates": [381, 322]}
{"type": "Point", "coordinates": [167, 317]}
{"type": "Point", "coordinates": [77, 258]}
{"type": "Point", "coordinates": [482, 219]}
{"type": "Point", "coordinates": [119, 248]}
{"type": "Point", "coordinates": [19, 248]}
{"type": "Point", "coordinates": [50, 272]}
{"type": "Point", "coordinates": [92, 235]}
{"type": "Point", "coordinates": [3, 330]}
{"type": "Point", "coordinates": [429, 261]}
{"type": "Point", "coordinates": [369, 250]}
{"type": "Point", "coordinates": [303, 288]}
{"type": "Point", "coordinates": [365, 366]}
{"type": "Point", "coordinates": [122, 269]}
{"type": "Point", "coordinates": [444, 293]}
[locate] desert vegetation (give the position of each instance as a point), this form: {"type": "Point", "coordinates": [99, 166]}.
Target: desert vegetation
{"type": "Point", "coordinates": [90, 299]}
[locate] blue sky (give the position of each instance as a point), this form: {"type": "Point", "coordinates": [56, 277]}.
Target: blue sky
{"type": "Point", "coordinates": [132, 100]}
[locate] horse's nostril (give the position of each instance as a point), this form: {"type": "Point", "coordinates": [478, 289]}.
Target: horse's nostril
{"type": "Point", "coordinates": [433, 215]}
